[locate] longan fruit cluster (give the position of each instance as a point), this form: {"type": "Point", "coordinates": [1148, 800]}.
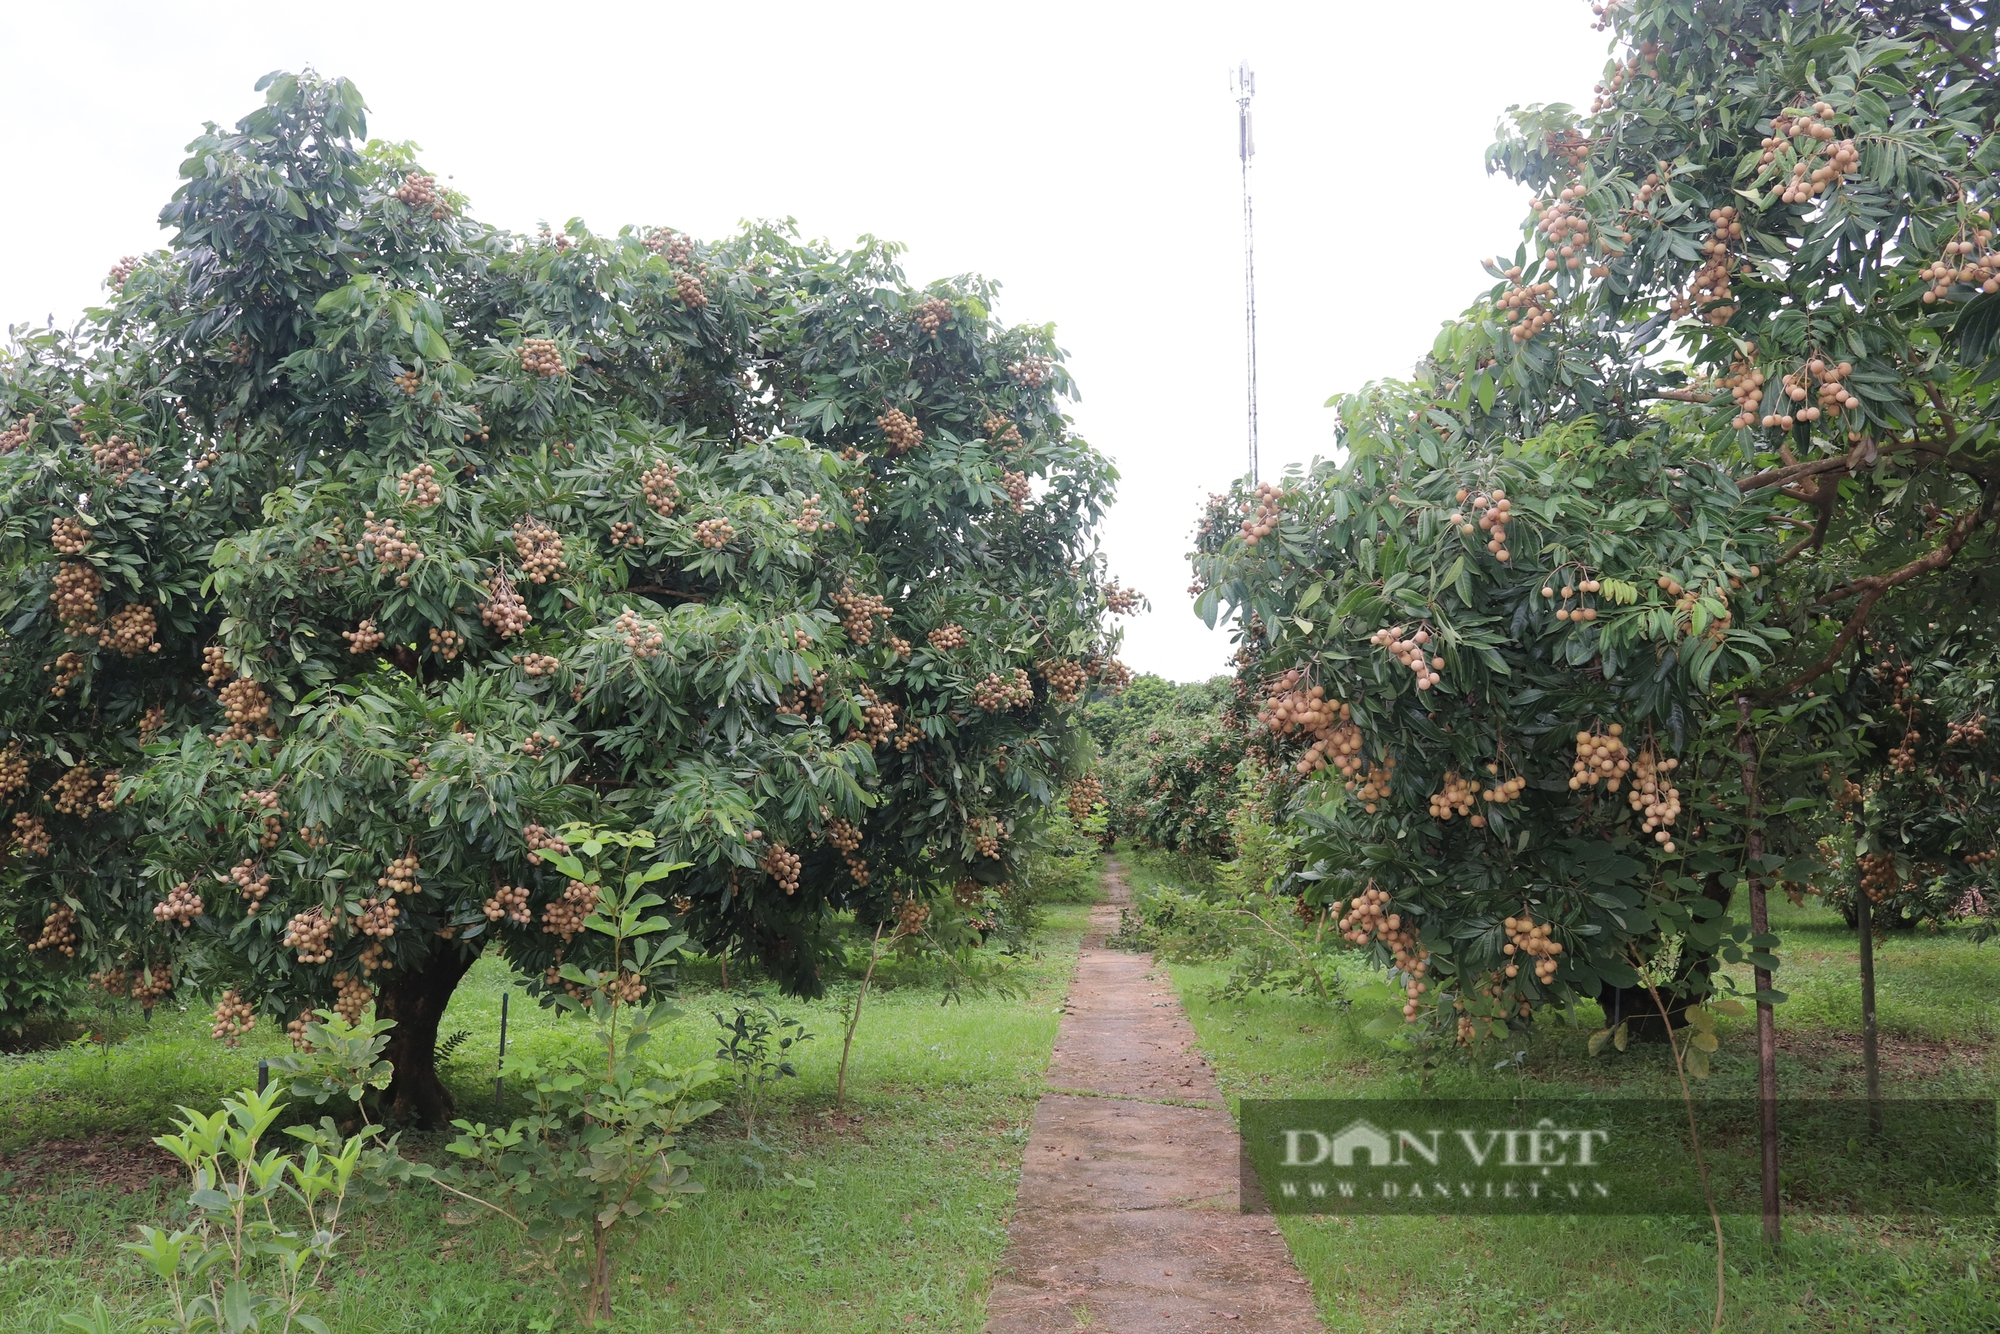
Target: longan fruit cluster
{"type": "Point", "coordinates": [409, 381]}
{"type": "Point", "coordinates": [678, 249]}
{"type": "Point", "coordinates": [857, 504]}
{"type": "Point", "coordinates": [1903, 756]}
{"type": "Point", "coordinates": [266, 800]}
{"type": "Point", "coordinates": [947, 637]}
{"type": "Point", "coordinates": [641, 639]}
{"type": "Point", "coordinates": [715, 534]}
{"type": "Point", "coordinates": [116, 457]}
{"type": "Point", "coordinates": [1832, 393]}
{"type": "Point", "coordinates": [1455, 798]}
{"type": "Point", "coordinates": [1367, 920]}
{"type": "Point", "coordinates": [1589, 587]}
{"type": "Point", "coordinates": [1709, 292]}
{"type": "Point", "coordinates": [389, 544]}
{"type": "Point", "coordinates": [660, 487]}
{"type": "Point", "coordinates": [181, 906]}
{"type": "Point", "coordinates": [1878, 876]}
{"type": "Point", "coordinates": [234, 1017]}
{"type": "Point", "coordinates": [151, 723]}
{"type": "Point", "coordinates": [75, 596]}
{"type": "Point", "coordinates": [1031, 372]}
{"type": "Point", "coordinates": [126, 266]}
{"type": "Point", "coordinates": [846, 840]}
{"type": "Point", "coordinates": [537, 744]}
{"type": "Point", "coordinates": [1654, 796]}
{"type": "Point", "coordinates": [1503, 791]}
{"type": "Point", "coordinates": [67, 667]}
{"type": "Point", "coordinates": [878, 718]}
{"type": "Point", "coordinates": [1270, 509]}
{"type": "Point", "coordinates": [986, 837]}
{"type": "Point", "coordinates": [447, 644]}
{"type": "Point", "coordinates": [858, 612]}
{"type": "Point", "coordinates": [503, 610]}
{"type": "Point", "coordinates": [69, 536]}
{"type": "Point", "coordinates": [216, 664]}
{"type": "Point", "coordinates": [1121, 601]}
{"type": "Point", "coordinates": [311, 934]}
{"type": "Point", "coordinates": [1066, 679]}
{"type": "Point", "coordinates": [131, 631]}
{"type": "Point", "coordinates": [1495, 511]}
{"type": "Point", "coordinates": [625, 989]}
{"type": "Point", "coordinates": [420, 192]}
{"type": "Point", "coordinates": [911, 914]}
{"type": "Point", "coordinates": [1566, 227]}
{"type": "Point", "coordinates": [564, 916]}
{"type": "Point", "coordinates": [147, 985]}
{"type": "Point", "coordinates": [1521, 306]}
{"type": "Point", "coordinates": [363, 638]}
{"type": "Point", "coordinates": [996, 694]}
{"type": "Point", "coordinates": [1980, 858]}
{"type": "Point", "coordinates": [1745, 383]}
{"type": "Point", "coordinates": [1843, 158]}
{"type": "Point", "coordinates": [932, 314]}
{"type": "Point", "coordinates": [1291, 705]}
{"type": "Point", "coordinates": [783, 866]}
{"type": "Point", "coordinates": [1639, 63]}
{"type": "Point", "coordinates": [1970, 732]}
{"type": "Point", "coordinates": [688, 287]}
{"type": "Point", "coordinates": [351, 997]}
{"type": "Point", "coordinates": [540, 548]}
{"type": "Point", "coordinates": [252, 881]}
{"type": "Point", "coordinates": [509, 902]}
{"type": "Point", "coordinates": [1411, 652]}
{"type": "Point", "coordinates": [1372, 787]}
{"type": "Point", "coordinates": [1019, 490]}
{"type": "Point", "coordinates": [1084, 795]}
{"type": "Point", "coordinates": [540, 356]}
{"type": "Point", "coordinates": [1001, 429]}
{"type": "Point", "coordinates": [803, 701]}
{"type": "Point", "coordinates": [626, 534]}
{"type": "Point", "coordinates": [17, 434]}
{"type": "Point", "coordinates": [900, 430]}
{"type": "Point", "coordinates": [75, 792]}
{"type": "Point", "coordinates": [31, 836]}
{"type": "Point", "coordinates": [246, 706]}
{"type": "Point", "coordinates": [539, 841]}
{"type": "Point", "coordinates": [13, 770]}
{"type": "Point", "coordinates": [537, 664]}
{"type": "Point", "coordinates": [1600, 757]}
{"type": "Point", "coordinates": [811, 518]}
{"type": "Point", "coordinates": [295, 1030]}
{"type": "Point", "coordinates": [400, 876]}
{"type": "Point", "coordinates": [1526, 936]}
{"type": "Point", "coordinates": [1960, 265]}
{"type": "Point", "coordinates": [420, 486]}
{"type": "Point", "coordinates": [58, 932]}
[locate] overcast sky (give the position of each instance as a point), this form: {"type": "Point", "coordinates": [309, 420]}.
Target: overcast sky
{"type": "Point", "coordinates": [1084, 155]}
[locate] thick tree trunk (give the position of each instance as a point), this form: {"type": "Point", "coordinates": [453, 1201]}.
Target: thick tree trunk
{"type": "Point", "coordinates": [416, 1002]}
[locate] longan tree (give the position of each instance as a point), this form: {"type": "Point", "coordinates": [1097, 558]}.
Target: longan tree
{"type": "Point", "coordinates": [356, 546]}
{"type": "Point", "coordinates": [1757, 287]}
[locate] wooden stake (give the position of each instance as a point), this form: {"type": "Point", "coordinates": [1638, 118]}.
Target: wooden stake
{"type": "Point", "coordinates": [1767, 1033]}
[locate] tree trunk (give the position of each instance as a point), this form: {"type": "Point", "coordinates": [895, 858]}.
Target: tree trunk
{"type": "Point", "coordinates": [416, 1002]}
{"type": "Point", "coordinates": [1767, 1033]}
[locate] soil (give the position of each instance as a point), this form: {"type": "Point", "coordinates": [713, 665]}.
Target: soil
{"type": "Point", "coordinates": [124, 1165]}
{"type": "Point", "coordinates": [1128, 1217]}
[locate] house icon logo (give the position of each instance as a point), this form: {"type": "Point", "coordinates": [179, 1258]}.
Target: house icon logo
{"type": "Point", "coordinates": [1364, 1136]}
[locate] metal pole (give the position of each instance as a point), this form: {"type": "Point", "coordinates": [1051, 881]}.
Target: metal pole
{"type": "Point", "coordinates": [499, 1071]}
{"type": "Point", "coordinates": [1245, 84]}
{"type": "Point", "coordinates": [263, 1076]}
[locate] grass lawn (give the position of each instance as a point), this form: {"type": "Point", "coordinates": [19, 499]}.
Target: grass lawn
{"type": "Point", "coordinates": [901, 1227]}
{"type": "Point", "coordinates": [1939, 1005]}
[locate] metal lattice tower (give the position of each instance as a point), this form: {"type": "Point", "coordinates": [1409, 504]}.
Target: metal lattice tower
{"type": "Point", "coordinates": [1243, 83]}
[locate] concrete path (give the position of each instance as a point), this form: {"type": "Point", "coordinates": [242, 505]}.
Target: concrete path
{"type": "Point", "coordinates": [1127, 1220]}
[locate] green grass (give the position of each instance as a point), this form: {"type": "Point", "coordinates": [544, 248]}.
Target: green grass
{"type": "Point", "coordinates": [906, 1219]}
{"type": "Point", "coordinates": [1937, 997]}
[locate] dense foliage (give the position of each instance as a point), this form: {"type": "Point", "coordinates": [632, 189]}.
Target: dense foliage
{"type": "Point", "coordinates": [354, 545]}
{"type": "Point", "coordinates": [1169, 767]}
{"type": "Point", "coordinates": [1731, 398]}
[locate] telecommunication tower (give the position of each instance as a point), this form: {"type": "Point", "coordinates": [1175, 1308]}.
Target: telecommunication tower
{"type": "Point", "coordinates": [1243, 83]}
